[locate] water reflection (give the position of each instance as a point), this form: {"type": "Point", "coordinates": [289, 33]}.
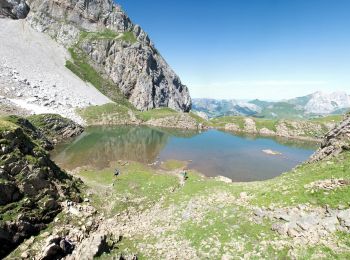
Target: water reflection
{"type": "Point", "coordinates": [212, 152]}
{"type": "Point", "coordinates": [98, 146]}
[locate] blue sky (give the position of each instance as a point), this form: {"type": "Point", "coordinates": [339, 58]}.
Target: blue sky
{"type": "Point", "coordinates": [244, 49]}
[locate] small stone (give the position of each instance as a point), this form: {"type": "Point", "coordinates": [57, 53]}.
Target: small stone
{"type": "Point", "coordinates": [292, 232]}
{"type": "Point", "coordinates": [45, 234]}
{"type": "Point", "coordinates": [74, 211]}
{"type": "Point", "coordinates": [341, 207]}
{"type": "Point", "coordinates": [280, 228]}
{"type": "Point", "coordinates": [258, 212]}
{"type": "Point", "coordinates": [307, 222]}
{"type": "Point", "coordinates": [344, 218]}
{"type": "Point", "coordinates": [243, 195]}
{"type": "Point", "coordinates": [284, 217]}
{"type": "Point", "coordinates": [24, 255]}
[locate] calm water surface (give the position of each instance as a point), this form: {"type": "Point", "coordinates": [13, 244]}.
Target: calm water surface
{"type": "Point", "coordinates": [212, 152]}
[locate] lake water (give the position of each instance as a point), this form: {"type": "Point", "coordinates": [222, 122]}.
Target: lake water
{"type": "Point", "coordinates": [212, 152]}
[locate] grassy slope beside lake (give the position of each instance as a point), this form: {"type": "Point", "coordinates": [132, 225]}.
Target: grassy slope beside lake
{"type": "Point", "coordinates": [207, 218]}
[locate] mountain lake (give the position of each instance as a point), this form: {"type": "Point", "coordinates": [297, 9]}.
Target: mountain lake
{"type": "Point", "coordinates": [212, 152]}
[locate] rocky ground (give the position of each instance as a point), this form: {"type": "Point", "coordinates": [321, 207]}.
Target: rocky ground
{"type": "Point", "coordinates": [7, 107]}
{"type": "Point", "coordinates": [157, 217]}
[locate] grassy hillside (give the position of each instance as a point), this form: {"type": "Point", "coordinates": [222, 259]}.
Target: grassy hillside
{"type": "Point", "coordinates": [118, 114]}
{"type": "Point", "coordinates": [209, 218]}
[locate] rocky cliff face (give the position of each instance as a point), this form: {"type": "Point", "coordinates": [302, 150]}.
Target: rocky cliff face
{"type": "Point", "coordinates": [120, 50]}
{"type": "Point", "coordinates": [336, 141]}
{"type": "Point", "coordinates": [15, 9]}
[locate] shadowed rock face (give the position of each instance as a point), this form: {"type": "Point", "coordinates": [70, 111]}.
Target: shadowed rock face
{"type": "Point", "coordinates": [15, 9]}
{"type": "Point", "coordinates": [136, 67]}
{"type": "Point", "coordinates": [31, 185]}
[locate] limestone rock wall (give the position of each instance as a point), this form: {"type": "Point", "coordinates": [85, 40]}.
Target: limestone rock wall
{"type": "Point", "coordinates": [136, 68]}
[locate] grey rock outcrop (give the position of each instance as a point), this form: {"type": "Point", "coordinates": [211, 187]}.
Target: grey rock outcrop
{"type": "Point", "coordinates": [15, 9]}
{"type": "Point", "coordinates": [249, 125]}
{"type": "Point", "coordinates": [180, 121]}
{"type": "Point", "coordinates": [56, 127]}
{"type": "Point", "coordinates": [135, 66]}
{"type": "Point", "coordinates": [91, 247]}
{"type": "Point", "coordinates": [336, 141]}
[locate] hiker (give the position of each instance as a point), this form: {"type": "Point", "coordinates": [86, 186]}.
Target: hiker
{"type": "Point", "coordinates": [184, 175]}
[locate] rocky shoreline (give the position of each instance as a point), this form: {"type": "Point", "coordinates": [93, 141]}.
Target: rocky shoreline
{"type": "Point", "coordinates": [290, 129]}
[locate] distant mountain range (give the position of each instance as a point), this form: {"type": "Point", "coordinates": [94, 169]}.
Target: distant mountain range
{"type": "Point", "coordinates": [313, 105]}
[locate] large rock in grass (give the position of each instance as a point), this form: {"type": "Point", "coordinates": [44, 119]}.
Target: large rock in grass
{"type": "Point", "coordinates": [115, 47]}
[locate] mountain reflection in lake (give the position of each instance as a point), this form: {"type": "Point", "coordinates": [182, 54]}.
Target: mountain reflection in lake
{"type": "Point", "coordinates": [212, 152]}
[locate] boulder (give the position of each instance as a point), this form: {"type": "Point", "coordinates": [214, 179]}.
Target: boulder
{"type": "Point", "coordinates": [56, 248]}
{"type": "Point", "coordinates": [265, 131]}
{"type": "Point", "coordinates": [94, 246]}
{"type": "Point", "coordinates": [8, 193]}
{"type": "Point", "coordinates": [51, 251]}
{"type": "Point", "coordinates": [232, 127]}
{"type": "Point", "coordinates": [249, 126]}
